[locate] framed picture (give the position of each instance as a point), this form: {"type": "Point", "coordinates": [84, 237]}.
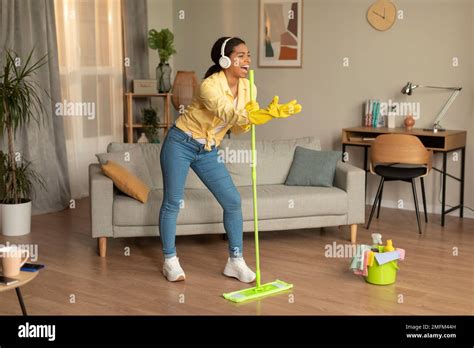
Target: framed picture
{"type": "Point", "coordinates": [280, 26]}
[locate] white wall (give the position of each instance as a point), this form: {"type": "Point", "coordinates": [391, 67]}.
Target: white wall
{"type": "Point", "coordinates": [418, 48]}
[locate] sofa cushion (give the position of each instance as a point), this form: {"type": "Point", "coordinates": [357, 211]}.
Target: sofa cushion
{"type": "Point", "coordinates": [274, 201]}
{"type": "Point", "coordinates": [280, 201]}
{"type": "Point", "coordinates": [274, 158]}
{"type": "Point", "coordinates": [313, 168]}
{"type": "Point", "coordinates": [131, 159]}
{"type": "Point", "coordinates": [128, 212]}
{"type": "Point", "coordinates": [125, 181]}
{"type": "Point", "coordinates": [151, 154]}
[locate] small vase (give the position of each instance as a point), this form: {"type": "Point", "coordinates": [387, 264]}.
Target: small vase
{"type": "Point", "coordinates": [163, 77]}
{"type": "Point", "coordinates": [143, 139]}
{"type": "Point", "coordinates": [409, 122]}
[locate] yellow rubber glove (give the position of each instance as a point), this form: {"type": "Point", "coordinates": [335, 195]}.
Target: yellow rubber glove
{"type": "Point", "coordinates": [259, 117]}
{"type": "Point", "coordinates": [252, 106]}
{"type": "Point", "coordinates": [283, 110]}
{"type": "Point", "coordinates": [256, 115]}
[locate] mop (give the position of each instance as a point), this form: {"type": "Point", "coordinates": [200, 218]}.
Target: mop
{"type": "Point", "coordinates": [260, 290]}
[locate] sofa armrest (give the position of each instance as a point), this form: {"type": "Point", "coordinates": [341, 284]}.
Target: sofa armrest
{"type": "Point", "coordinates": [352, 180]}
{"type": "Point", "coordinates": [101, 193]}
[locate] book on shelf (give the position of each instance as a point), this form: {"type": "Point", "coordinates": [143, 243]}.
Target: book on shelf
{"type": "Point", "coordinates": [373, 116]}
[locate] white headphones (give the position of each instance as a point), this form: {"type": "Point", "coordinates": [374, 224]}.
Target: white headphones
{"type": "Point", "coordinates": [224, 61]}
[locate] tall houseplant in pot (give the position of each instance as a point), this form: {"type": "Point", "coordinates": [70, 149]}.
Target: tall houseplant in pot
{"type": "Point", "coordinates": [19, 104]}
{"type": "Point", "coordinates": [162, 41]}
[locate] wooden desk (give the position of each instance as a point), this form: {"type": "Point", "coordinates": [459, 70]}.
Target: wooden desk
{"type": "Point", "coordinates": [443, 142]}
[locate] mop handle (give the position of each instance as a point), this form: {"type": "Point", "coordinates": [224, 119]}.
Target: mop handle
{"type": "Point", "coordinates": [254, 190]}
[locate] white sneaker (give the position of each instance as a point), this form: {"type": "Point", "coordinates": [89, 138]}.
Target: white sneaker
{"type": "Point", "coordinates": [237, 268]}
{"type": "Point", "coordinates": [172, 270]}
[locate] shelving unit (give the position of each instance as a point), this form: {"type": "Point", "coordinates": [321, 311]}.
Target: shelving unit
{"type": "Point", "coordinates": [130, 126]}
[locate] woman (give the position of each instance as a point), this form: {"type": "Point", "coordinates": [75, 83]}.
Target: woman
{"type": "Point", "coordinates": [222, 104]}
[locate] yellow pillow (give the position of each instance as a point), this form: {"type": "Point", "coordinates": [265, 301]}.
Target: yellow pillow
{"type": "Point", "coordinates": [126, 181]}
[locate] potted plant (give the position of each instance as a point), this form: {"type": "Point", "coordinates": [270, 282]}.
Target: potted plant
{"type": "Point", "coordinates": [163, 42]}
{"type": "Point", "coordinates": [151, 121]}
{"type": "Point", "coordinates": [19, 104]}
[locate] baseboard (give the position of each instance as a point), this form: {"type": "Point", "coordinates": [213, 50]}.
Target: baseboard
{"type": "Point", "coordinates": [431, 209]}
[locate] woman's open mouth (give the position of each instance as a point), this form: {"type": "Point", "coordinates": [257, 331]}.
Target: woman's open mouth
{"type": "Point", "coordinates": [245, 68]}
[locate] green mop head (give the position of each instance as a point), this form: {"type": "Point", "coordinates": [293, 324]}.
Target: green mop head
{"type": "Point", "coordinates": [259, 290]}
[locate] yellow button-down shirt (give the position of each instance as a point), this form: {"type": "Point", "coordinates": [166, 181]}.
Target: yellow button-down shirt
{"type": "Point", "coordinates": [212, 106]}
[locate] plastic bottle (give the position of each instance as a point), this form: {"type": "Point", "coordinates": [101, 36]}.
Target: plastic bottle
{"type": "Point", "coordinates": [389, 246]}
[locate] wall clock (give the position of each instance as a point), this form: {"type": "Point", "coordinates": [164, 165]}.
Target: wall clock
{"type": "Point", "coordinates": [382, 14]}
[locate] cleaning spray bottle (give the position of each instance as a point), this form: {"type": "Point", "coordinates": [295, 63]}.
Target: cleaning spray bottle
{"type": "Point", "coordinates": [389, 246]}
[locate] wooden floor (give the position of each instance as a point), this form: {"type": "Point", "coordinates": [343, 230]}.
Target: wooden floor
{"type": "Point", "coordinates": [431, 280]}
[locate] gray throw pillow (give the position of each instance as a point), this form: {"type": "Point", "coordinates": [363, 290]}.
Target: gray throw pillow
{"type": "Point", "coordinates": [132, 159]}
{"type": "Point", "coordinates": [313, 168]}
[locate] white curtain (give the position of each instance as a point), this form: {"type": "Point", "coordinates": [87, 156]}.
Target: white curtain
{"type": "Point", "coordinates": [91, 69]}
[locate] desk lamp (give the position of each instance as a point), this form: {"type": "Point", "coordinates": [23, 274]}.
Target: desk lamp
{"type": "Point", "coordinates": [408, 90]}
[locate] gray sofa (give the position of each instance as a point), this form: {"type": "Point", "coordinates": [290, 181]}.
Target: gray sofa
{"type": "Point", "coordinates": [280, 207]}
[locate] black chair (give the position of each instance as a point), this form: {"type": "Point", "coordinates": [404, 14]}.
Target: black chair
{"type": "Point", "coordinates": [399, 157]}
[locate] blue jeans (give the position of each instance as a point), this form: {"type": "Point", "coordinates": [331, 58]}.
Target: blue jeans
{"type": "Point", "coordinates": [179, 152]}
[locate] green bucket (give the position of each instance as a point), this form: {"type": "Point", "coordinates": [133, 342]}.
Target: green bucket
{"type": "Point", "coordinates": [382, 274]}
